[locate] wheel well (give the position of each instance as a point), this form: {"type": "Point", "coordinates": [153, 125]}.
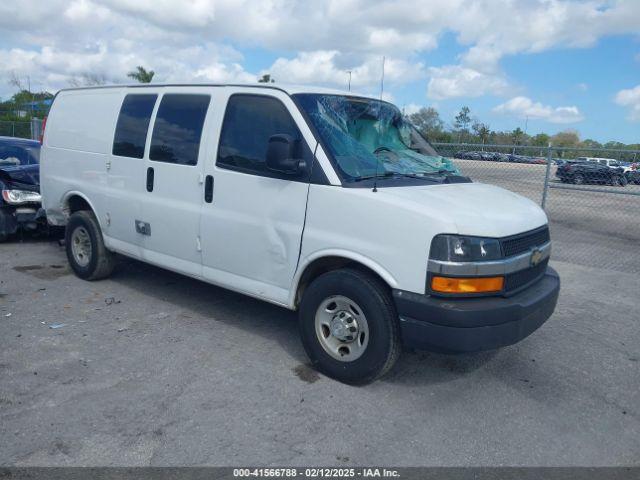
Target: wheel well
{"type": "Point", "coordinates": [327, 264]}
{"type": "Point", "coordinates": [76, 203]}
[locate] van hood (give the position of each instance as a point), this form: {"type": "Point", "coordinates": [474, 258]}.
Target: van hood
{"type": "Point", "coordinates": [472, 208]}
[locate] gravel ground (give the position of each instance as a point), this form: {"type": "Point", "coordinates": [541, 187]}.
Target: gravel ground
{"type": "Point", "coordinates": [153, 368]}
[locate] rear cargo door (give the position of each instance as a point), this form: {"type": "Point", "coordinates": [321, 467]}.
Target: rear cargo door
{"type": "Point", "coordinates": [126, 169]}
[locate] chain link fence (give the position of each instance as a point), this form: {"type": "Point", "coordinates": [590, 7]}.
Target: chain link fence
{"type": "Point", "coordinates": [591, 196]}
{"type": "Point", "coordinates": [21, 129]}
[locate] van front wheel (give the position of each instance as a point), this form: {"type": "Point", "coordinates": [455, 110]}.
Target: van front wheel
{"type": "Point", "coordinates": [349, 326]}
{"type": "Point", "coordinates": [87, 255]}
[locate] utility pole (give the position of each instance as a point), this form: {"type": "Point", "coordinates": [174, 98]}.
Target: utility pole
{"type": "Point", "coordinates": [349, 86]}
{"type": "Point", "coordinates": [30, 94]}
{"type": "Point", "coordinates": [526, 124]}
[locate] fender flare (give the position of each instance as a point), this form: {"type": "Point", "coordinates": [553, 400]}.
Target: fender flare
{"type": "Point", "coordinates": [64, 204]}
{"type": "Point", "coordinates": [383, 273]}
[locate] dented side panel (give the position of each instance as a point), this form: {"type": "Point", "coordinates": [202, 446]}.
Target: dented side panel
{"type": "Point", "coordinates": [252, 229]}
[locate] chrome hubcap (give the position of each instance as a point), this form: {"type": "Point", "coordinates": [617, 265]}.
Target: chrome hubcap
{"type": "Point", "coordinates": [342, 328]}
{"type": "Point", "coordinates": [81, 246]}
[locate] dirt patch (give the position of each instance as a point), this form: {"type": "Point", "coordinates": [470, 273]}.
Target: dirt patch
{"type": "Point", "coordinates": [306, 373]}
{"type": "Point", "coordinates": [27, 268]}
{"type": "Point", "coordinates": [43, 272]}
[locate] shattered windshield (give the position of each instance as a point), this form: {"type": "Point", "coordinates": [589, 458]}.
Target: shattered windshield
{"type": "Point", "coordinates": [371, 138]}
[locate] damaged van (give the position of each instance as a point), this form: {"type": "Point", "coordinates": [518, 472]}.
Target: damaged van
{"type": "Point", "coordinates": [322, 202]}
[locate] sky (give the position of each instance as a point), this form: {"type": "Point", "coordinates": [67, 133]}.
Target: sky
{"type": "Point", "coordinates": [543, 65]}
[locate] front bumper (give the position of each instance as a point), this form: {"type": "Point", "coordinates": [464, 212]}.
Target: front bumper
{"type": "Point", "coordinates": [14, 217]}
{"type": "Point", "coordinates": [473, 324]}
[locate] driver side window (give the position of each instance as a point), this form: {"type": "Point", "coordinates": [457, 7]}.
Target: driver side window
{"type": "Point", "coordinates": [249, 122]}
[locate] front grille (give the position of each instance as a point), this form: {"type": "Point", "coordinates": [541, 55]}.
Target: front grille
{"type": "Point", "coordinates": [523, 242]}
{"type": "Point", "coordinates": [517, 280]}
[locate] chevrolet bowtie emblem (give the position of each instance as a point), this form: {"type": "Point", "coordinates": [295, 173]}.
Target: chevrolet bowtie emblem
{"type": "Point", "coordinates": [536, 257]}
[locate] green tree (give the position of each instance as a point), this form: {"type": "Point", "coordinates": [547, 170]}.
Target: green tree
{"type": "Point", "coordinates": [461, 123]}
{"type": "Point", "coordinates": [566, 138]}
{"type": "Point", "coordinates": [266, 78]}
{"type": "Point", "coordinates": [517, 135]}
{"type": "Point", "coordinates": [482, 131]}
{"type": "Point", "coordinates": [540, 140]}
{"type": "Point", "coordinates": [589, 143]}
{"type": "Point", "coordinates": [141, 74]}
{"type": "Point", "coordinates": [463, 119]}
{"type": "Point", "coordinates": [428, 122]}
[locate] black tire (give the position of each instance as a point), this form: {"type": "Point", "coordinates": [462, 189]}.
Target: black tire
{"type": "Point", "coordinates": [578, 179]}
{"type": "Point", "coordinates": [374, 299]}
{"type": "Point", "coordinates": [623, 181]}
{"type": "Point", "coordinates": [100, 260]}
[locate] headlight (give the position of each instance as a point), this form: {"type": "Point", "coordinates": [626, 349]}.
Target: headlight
{"type": "Point", "coordinates": [17, 197]}
{"type": "Point", "coordinates": [458, 248]}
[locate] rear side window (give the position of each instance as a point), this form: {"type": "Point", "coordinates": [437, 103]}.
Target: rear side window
{"type": "Point", "coordinates": [249, 121]}
{"type": "Point", "coordinates": [13, 155]}
{"type": "Point", "coordinates": [10, 156]}
{"type": "Point", "coordinates": [178, 128]}
{"type": "Point", "coordinates": [133, 124]}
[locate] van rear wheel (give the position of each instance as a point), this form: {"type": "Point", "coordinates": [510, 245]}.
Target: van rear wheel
{"type": "Point", "coordinates": [349, 326]}
{"type": "Point", "coordinates": [86, 253]}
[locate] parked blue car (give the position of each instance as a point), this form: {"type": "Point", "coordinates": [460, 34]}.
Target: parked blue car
{"type": "Point", "coordinates": [20, 187]}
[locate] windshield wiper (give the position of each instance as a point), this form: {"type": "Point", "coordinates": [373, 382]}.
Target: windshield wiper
{"type": "Point", "coordinates": [389, 175]}
{"type": "Point", "coordinates": [379, 175]}
{"type": "Point", "coordinates": [439, 172]}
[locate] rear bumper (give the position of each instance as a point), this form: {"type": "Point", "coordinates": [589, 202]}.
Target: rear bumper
{"type": "Point", "coordinates": [473, 324]}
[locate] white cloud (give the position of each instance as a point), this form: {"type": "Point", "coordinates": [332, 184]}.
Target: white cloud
{"type": "Point", "coordinates": [411, 108]}
{"type": "Point", "coordinates": [54, 39]}
{"type": "Point", "coordinates": [329, 68]}
{"type": "Point", "coordinates": [456, 81]}
{"type": "Point", "coordinates": [523, 107]}
{"type": "Point", "coordinates": [583, 87]}
{"type": "Point", "coordinates": [630, 98]}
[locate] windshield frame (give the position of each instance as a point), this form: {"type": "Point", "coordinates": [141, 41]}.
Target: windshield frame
{"type": "Point", "coordinates": [345, 178]}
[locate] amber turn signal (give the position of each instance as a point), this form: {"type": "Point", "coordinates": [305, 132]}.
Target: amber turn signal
{"type": "Point", "coordinates": [467, 285]}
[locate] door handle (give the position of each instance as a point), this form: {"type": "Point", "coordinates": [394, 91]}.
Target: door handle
{"type": "Point", "coordinates": [150, 175]}
{"type": "Point", "coordinates": [208, 189]}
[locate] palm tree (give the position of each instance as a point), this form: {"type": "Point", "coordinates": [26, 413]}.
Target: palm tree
{"type": "Point", "coordinates": [266, 78]}
{"type": "Point", "coordinates": [141, 74]}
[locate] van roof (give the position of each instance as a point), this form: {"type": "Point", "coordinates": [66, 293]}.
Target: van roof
{"type": "Point", "coordinates": [287, 88]}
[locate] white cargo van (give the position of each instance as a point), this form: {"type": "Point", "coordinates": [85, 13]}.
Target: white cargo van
{"type": "Point", "coordinates": [318, 201]}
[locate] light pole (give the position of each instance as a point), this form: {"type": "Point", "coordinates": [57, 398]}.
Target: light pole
{"type": "Point", "coordinates": [349, 85]}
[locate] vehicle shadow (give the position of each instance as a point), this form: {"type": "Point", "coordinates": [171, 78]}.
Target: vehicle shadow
{"type": "Point", "coordinates": [422, 368]}
{"type": "Point", "coordinates": [270, 321]}
{"type": "Point", "coordinates": [39, 236]}
{"type": "Point", "coordinates": [278, 324]}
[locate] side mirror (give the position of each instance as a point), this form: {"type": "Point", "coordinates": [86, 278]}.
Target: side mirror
{"type": "Point", "coordinates": [281, 155]}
